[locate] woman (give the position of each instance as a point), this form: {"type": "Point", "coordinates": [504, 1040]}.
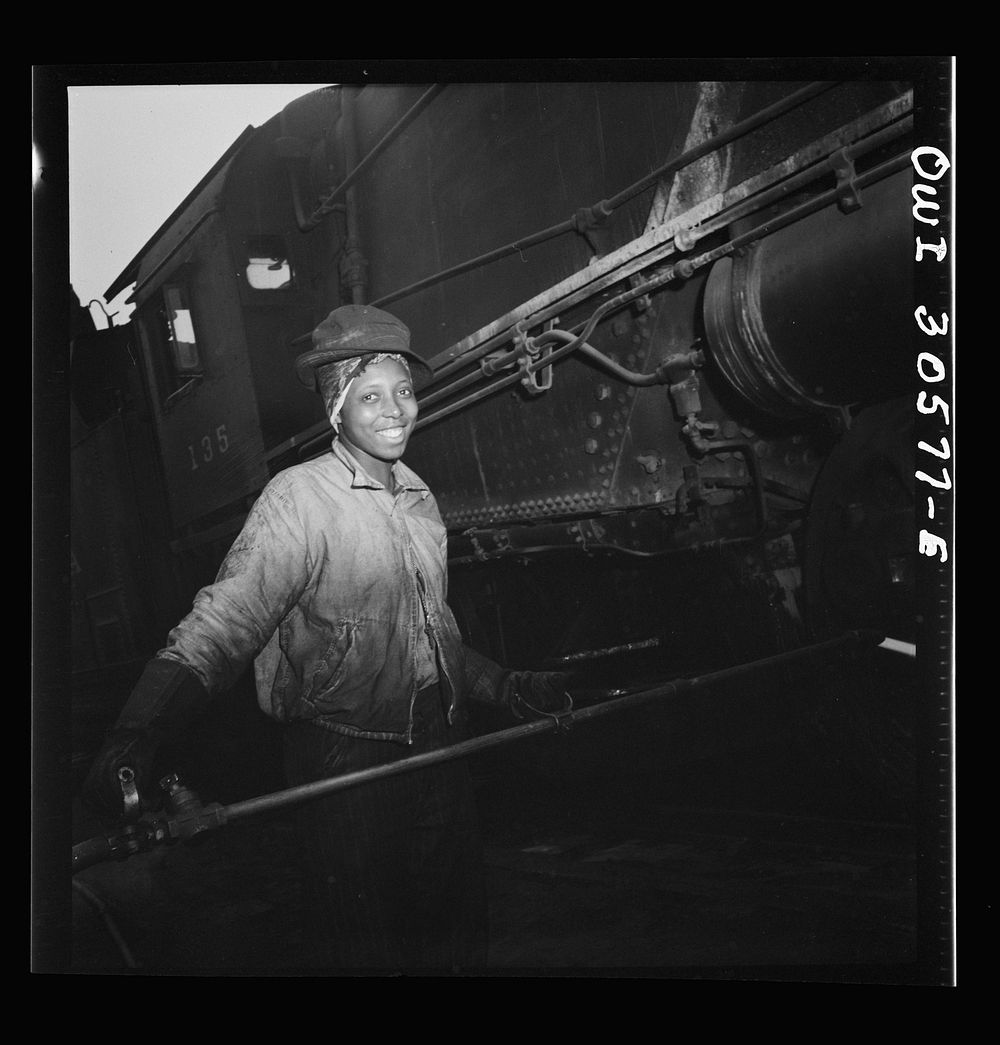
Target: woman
{"type": "Point", "coordinates": [336, 589]}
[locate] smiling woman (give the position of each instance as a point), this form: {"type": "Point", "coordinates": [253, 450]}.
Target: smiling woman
{"type": "Point", "coordinates": [362, 366]}
{"type": "Point", "coordinates": [378, 413]}
{"type": "Point", "coordinates": [336, 588]}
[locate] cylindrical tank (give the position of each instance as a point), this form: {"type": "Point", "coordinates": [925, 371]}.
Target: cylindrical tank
{"type": "Point", "coordinates": [817, 315]}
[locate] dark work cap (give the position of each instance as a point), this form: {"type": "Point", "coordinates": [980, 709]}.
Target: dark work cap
{"type": "Point", "coordinates": [358, 330]}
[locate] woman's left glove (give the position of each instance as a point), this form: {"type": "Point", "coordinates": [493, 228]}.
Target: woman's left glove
{"type": "Point", "coordinates": [531, 694]}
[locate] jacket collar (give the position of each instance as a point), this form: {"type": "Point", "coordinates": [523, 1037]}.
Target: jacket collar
{"type": "Point", "coordinates": [405, 478]}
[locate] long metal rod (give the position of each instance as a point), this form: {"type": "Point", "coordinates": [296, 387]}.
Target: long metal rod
{"type": "Point", "coordinates": [321, 788]}
{"type": "Point", "coordinates": [132, 840]}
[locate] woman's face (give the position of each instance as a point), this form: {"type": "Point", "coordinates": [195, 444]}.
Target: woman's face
{"type": "Point", "coordinates": [378, 416]}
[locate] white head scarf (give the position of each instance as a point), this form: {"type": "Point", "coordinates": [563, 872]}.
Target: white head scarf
{"type": "Point", "coordinates": [337, 378]}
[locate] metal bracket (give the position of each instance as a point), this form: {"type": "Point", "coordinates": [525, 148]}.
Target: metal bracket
{"type": "Point", "coordinates": [848, 195]}
{"type": "Point", "coordinates": [590, 222]}
{"type": "Point", "coordinates": [537, 379]}
{"type": "Point", "coordinates": [642, 303]}
{"type": "Point", "coordinates": [130, 794]}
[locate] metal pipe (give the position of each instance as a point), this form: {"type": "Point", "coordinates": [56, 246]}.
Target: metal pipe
{"type": "Point", "coordinates": [352, 244]}
{"type": "Point", "coordinates": [632, 377]}
{"type": "Point", "coordinates": [301, 221]}
{"type": "Point", "coordinates": [456, 386]}
{"type": "Point", "coordinates": [607, 651]}
{"type": "Point", "coordinates": [483, 259]}
{"type": "Point", "coordinates": [570, 224]}
{"type": "Point", "coordinates": [321, 788]}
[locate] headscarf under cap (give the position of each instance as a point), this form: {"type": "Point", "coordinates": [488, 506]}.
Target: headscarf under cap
{"type": "Point", "coordinates": [335, 379]}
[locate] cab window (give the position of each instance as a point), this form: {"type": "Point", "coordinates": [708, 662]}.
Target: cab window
{"type": "Point", "coordinates": [168, 330]}
{"type": "Point", "coordinates": [180, 329]}
{"type": "Point", "coordinates": [268, 266]}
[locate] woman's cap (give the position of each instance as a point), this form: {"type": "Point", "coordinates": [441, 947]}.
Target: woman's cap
{"type": "Point", "coordinates": [358, 330]}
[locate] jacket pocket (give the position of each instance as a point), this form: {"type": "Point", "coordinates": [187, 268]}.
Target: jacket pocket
{"type": "Point", "coordinates": [334, 664]}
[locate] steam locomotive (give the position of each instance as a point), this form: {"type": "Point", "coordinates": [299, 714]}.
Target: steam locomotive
{"type": "Point", "coordinates": [671, 422]}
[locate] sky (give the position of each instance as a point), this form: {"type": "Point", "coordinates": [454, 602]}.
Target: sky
{"type": "Point", "coordinates": [135, 152]}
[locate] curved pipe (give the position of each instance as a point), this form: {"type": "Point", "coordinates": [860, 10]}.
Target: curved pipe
{"type": "Point", "coordinates": [659, 376]}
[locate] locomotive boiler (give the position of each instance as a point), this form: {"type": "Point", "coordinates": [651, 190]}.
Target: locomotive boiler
{"type": "Point", "coordinates": [669, 324]}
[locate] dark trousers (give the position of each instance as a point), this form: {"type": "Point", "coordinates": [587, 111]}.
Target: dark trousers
{"type": "Point", "coordinates": [393, 867]}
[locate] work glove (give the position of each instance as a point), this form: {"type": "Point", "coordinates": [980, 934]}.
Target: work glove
{"type": "Point", "coordinates": [525, 694]}
{"type": "Point", "coordinates": [167, 697]}
{"type": "Point", "coordinates": [532, 694]}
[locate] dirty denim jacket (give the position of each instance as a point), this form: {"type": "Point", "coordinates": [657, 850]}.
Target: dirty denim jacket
{"type": "Point", "coordinates": [335, 586]}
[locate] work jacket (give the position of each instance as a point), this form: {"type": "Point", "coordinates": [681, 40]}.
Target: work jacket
{"type": "Point", "coordinates": [338, 589]}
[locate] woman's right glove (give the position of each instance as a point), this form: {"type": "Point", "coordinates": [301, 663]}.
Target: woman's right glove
{"type": "Point", "coordinates": [167, 697]}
